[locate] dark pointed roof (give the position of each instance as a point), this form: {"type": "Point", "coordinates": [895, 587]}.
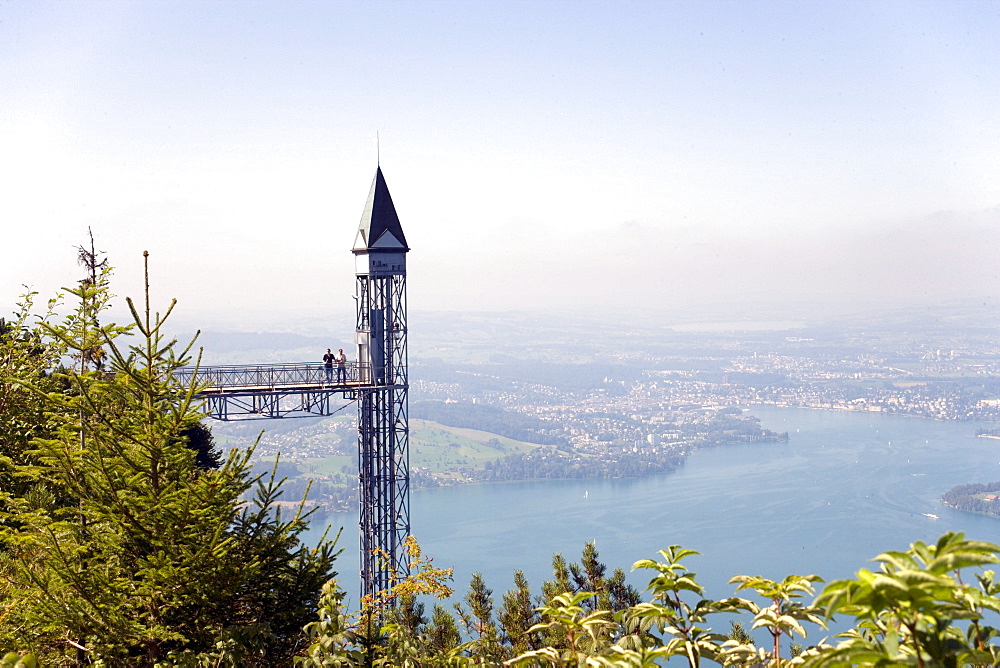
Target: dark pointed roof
{"type": "Point", "coordinates": [380, 229]}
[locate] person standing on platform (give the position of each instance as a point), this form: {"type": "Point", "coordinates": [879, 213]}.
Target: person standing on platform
{"type": "Point", "coordinates": [341, 360]}
{"type": "Point", "coordinates": [328, 365]}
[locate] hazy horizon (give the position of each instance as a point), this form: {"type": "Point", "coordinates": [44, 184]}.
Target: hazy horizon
{"type": "Point", "coordinates": [642, 157]}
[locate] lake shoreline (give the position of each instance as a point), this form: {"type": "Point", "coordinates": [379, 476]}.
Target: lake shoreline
{"type": "Point", "coordinates": [845, 487]}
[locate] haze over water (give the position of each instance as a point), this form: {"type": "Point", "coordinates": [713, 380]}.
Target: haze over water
{"type": "Point", "coordinates": [845, 487]}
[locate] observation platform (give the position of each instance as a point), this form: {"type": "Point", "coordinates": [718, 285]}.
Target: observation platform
{"type": "Point", "coordinates": [297, 389]}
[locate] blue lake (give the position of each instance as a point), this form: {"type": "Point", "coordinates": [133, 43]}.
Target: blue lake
{"type": "Point", "coordinates": [845, 487]}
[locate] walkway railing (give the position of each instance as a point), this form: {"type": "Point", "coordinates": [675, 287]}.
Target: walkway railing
{"type": "Point", "coordinates": [274, 376]}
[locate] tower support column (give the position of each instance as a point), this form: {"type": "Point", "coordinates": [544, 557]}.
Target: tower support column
{"type": "Point", "coordinates": [383, 420]}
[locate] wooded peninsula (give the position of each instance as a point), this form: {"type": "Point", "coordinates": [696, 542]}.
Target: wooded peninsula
{"type": "Point", "coordinates": [976, 498]}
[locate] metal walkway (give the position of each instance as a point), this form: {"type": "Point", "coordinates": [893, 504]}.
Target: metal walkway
{"type": "Point", "coordinates": [299, 389]}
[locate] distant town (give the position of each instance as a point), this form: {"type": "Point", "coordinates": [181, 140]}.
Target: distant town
{"type": "Point", "coordinates": [596, 399]}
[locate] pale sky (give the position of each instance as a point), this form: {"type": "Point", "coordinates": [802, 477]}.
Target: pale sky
{"type": "Point", "coordinates": [636, 155]}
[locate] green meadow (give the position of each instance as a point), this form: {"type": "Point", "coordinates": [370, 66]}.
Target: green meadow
{"type": "Point", "coordinates": [434, 447]}
{"type": "Point", "coordinates": [440, 448]}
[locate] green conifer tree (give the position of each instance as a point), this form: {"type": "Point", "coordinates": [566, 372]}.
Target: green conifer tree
{"type": "Point", "coordinates": [25, 357]}
{"type": "Point", "coordinates": [139, 555]}
{"type": "Point", "coordinates": [442, 631]}
{"type": "Point", "coordinates": [517, 616]}
{"type": "Point", "coordinates": [478, 621]}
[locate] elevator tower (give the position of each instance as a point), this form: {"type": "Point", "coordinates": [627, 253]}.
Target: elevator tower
{"type": "Point", "coordinates": [383, 424]}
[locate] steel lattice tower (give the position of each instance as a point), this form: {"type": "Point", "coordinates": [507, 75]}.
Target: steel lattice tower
{"type": "Point", "coordinates": [383, 423]}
